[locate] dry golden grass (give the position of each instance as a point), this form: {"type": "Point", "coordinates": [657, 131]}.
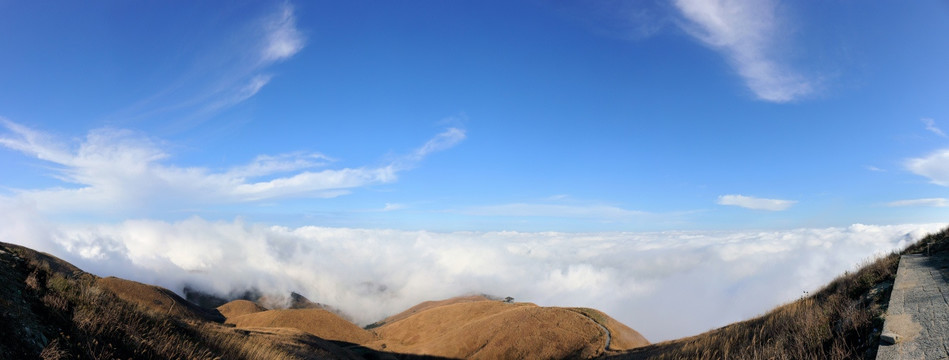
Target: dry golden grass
{"type": "Point", "coordinates": [75, 315]}
{"type": "Point", "coordinates": [239, 307]}
{"type": "Point", "coordinates": [932, 244]}
{"type": "Point", "coordinates": [428, 305]}
{"type": "Point", "coordinates": [318, 322]}
{"type": "Point", "coordinates": [493, 330]}
{"type": "Point", "coordinates": [841, 321]}
{"type": "Point", "coordinates": [270, 343]}
{"type": "Point", "coordinates": [157, 299]}
{"type": "Point", "coordinates": [623, 337]}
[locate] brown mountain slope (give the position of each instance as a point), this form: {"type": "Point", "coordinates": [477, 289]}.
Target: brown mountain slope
{"type": "Point", "coordinates": [52, 310]}
{"type": "Point", "coordinates": [428, 305]}
{"type": "Point", "coordinates": [157, 299]}
{"type": "Point", "coordinates": [622, 337]}
{"type": "Point", "coordinates": [493, 329]}
{"type": "Point", "coordinates": [52, 264]}
{"type": "Point", "coordinates": [239, 307]}
{"type": "Point", "coordinates": [319, 322]}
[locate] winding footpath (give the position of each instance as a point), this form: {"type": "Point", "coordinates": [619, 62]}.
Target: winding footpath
{"type": "Point", "coordinates": [917, 319]}
{"type": "Point", "coordinates": [609, 335]}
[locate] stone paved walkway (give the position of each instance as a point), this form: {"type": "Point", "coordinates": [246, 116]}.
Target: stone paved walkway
{"type": "Point", "coordinates": [918, 313]}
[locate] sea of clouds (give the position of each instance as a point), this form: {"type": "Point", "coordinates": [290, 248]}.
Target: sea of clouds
{"type": "Point", "coordinates": [664, 284]}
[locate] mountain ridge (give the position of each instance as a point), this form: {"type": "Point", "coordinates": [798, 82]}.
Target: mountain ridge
{"type": "Point", "coordinates": [63, 312]}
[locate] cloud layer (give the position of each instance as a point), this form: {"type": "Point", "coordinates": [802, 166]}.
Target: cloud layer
{"type": "Point", "coordinates": [754, 203]}
{"type": "Point", "coordinates": [933, 202]}
{"type": "Point", "coordinates": [665, 284]}
{"type": "Point", "coordinates": [934, 166]}
{"type": "Point", "coordinates": [118, 171]}
{"type": "Point", "coordinates": [747, 33]}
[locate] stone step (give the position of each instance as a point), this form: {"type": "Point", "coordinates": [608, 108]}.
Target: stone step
{"type": "Point", "coordinates": [917, 319]}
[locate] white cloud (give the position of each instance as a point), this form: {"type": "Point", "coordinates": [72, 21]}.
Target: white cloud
{"type": "Point", "coordinates": [649, 281]}
{"type": "Point", "coordinates": [754, 203]}
{"type": "Point", "coordinates": [282, 39]}
{"type": "Point", "coordinates": [747, 33]}
{"type": "Point", "coordinates": [252, 87]}
{"type": "Point", "coordinates": [267, 164]}
{"type": "Point", "coordinates": [931, 126]}
{"type": "Point", "coordinates": [935, 166]}
{"type": "Point", "coordinates": [393, 207]}
{"type": "Point", "coordinates": [230, 67]}
{"type": "Point", "coordinates": [933, 202]}
{"type": "Point", "coordinates": [604, 212]}
{"type": "Point", "coordinates": [874, 168]}
{"type": "Point", "coordinates": [235, 96]}
{"type": "Point", "coordinates": [446, 139]}
{"type": "Point", "coordinates": [325, 183]}
{"type": "Point", "coordinates": [117, 171]}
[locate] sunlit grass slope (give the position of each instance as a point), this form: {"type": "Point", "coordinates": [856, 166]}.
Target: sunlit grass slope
{"type": "Point", "coordinates": [842, 320]}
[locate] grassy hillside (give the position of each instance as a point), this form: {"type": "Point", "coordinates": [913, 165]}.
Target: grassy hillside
{"type": "Point", "coordinates": [157, 299]}
{"type": "Point", "coordinates": [425, 306]}
{"type": "Point", "coordinates": [843, 320]}
{"type": "Point", "coordinates": [239, 307]}
{"type": "Point", "coordinates": [318, 322]}
{"type": "Point", "coordinates": [490, 329]}
{"type": "Point", "coordinates": [50, 309]}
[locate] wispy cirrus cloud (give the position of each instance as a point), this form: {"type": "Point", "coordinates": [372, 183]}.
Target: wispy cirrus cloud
{"type": "Point", "coordinates": [232, 67]}
{"type": "Point", "coordinates": [279, 40]}
{"type": "Point", "coordinates": [233, 95]}
{"type": "Point", "coordinates": [393, 207]}
{"type": "Point", "coordinates": [931, 202]}
{"type": "Point", "coordinates": [118, 170]}
{"type": "Point", "coordinates": [580, 211]}
{"type": "Point", "coordinates": [931, 126]}
{"type": "Point", "coordinates": [440, 142]}
{"type": "Point", "coordinates": [282, 39]}
{"type": "Point", "coordinates": [934, 166]}
{"type": "Point", "coordinates": [748, 34]}
{"type": "Point", "coordinates": [754, 203]}
{"type": "Point", "coordinates": [264, 165]}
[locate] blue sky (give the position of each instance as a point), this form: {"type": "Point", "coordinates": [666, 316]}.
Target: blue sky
{"type": "Point", "coordinates": [626, 155]}
{"type": "Point", "coordinates": [567, 116]}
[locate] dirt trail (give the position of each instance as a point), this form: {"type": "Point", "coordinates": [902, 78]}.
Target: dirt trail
{"type": "Point", "coordinates": [609, 335]}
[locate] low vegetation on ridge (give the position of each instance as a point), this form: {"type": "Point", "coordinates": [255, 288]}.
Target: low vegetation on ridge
{"type": "Point", "coordinates": [842, 320]}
